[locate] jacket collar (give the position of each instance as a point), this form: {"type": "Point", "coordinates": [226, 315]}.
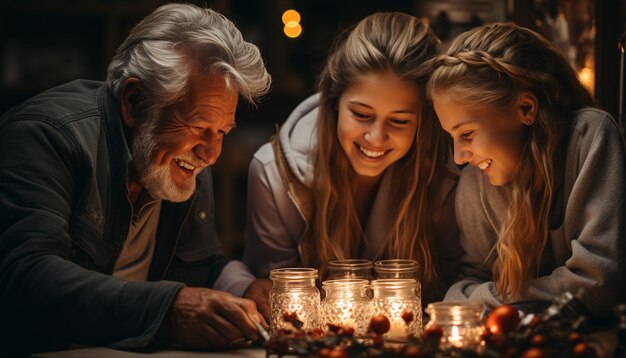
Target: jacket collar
{"type": "Point", "coordinates": [119, 153]}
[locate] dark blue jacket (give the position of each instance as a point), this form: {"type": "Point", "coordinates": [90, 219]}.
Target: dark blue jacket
{"type": "Point", "coordinates": [64, 215]}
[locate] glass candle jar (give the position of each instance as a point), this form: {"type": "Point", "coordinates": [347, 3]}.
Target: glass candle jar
{"type": "Point", "coordinates": [460, 322]}
{"type": "Point", "coordinates": [346, 304]}
{"type": "Point", "coordinates": [294, 291]}
{"type": "Point", "coordinates": [396, 268]}
{"type": "Point", "coordinates": [399, 300]}
{"type": "Point", "coordinates": [350, 268]}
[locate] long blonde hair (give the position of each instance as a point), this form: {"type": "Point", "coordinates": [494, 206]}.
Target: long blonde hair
{"type": "Point", "coordinates": [399, 43]}
{"type": "Point", "coordinates": [489, 66]}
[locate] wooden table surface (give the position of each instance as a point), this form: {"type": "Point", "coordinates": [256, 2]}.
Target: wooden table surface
{"type": "Point", "coordinates": [102, 352]}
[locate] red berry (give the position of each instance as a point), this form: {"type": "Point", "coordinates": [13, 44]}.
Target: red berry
{"type": "Point", "coordinates": [414, 352]}
{"type": "Point", "coordinates": [379, 324]}
{"type": "Point", "coordinates": [333, 327]}
{"type": "Point", "coordinates": [377, 341]}
{"type": "Point", "coordinates": [408, 316]}
{"type": "Point", "coordinates": [503, 319]}
{"type": "Point", "coordinates": [290, 316]}
{"type": "Point", "coordinates": [394, 351]}
{"type": "Point", "coordinates": [496, 341]}
{"type": "Point", "coordinates": [574, 338]}
{"type": "Point", "coordinates": [338, 353]}
{"type": "Point", "coordinates": [583, 350]}
{"type": "Point", "coordinates": [539, 340]}
{"type": "Point", "coordinates": [347, 332]}
{"type": "Point", "coordinates": [535, 353]}
{"type": "Point", "coordinates": [315, 333]}
{"type": "Point", "coordinates": [323, 353]}
{"type": "Point", "coordinates": [433, 334]}
{"type": "Point", "coordinates": [534, 322]}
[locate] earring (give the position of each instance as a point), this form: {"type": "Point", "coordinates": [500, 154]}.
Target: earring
{"type": "Point", "coordinates": [529, 122]}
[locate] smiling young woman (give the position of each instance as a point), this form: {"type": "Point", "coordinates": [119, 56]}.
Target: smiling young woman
{"type": "Point", "coordinates": [542, 204]}
{"type": "Point", "coordinates": [361, 169]}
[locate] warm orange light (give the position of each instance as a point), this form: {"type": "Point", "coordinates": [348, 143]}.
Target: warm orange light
{"type": "Point", "coordinates": [586, 76]}
{"type": "Point", "coordinates": [291, 15]}
{"type": "Point", "coordinates": [292, 31]}
{"type": "Point", "coordinates": [292, 24]}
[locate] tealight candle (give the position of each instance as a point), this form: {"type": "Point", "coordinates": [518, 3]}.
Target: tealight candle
{"type": "Point", "coordinates": [398, 329]}
{"type": "Point", "coordinates": [455, 338]}
{"type": "Point", "coordinates": [460, 322]}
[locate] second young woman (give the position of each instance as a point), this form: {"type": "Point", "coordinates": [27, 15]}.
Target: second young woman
{"type": "Point", "coordinates": [542, 204]}
{"type": "Point", "coordinates": [359, 170]}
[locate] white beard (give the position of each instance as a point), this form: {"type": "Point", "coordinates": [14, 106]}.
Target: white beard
{"type": "Point", "coordinates": [157, 179]}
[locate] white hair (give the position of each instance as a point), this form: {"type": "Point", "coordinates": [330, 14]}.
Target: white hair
{"type": "Point", "coordinates": [162, 49]}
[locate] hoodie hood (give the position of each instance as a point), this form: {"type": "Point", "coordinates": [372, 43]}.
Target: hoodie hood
{"type": "Point", "coordinates": [298, 139]}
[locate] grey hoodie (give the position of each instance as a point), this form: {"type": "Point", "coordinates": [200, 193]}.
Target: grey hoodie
{"type": "Point", "coordinates": [585, 248]}
{"type": "Point", "coordinates": [275, 223]}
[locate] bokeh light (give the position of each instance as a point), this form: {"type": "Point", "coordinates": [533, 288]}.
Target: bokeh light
{"type": "Point", "coordinates": [588, 78]}
{"type": "Point", "coordinates": [291, 15]}
{"type": "Point", "coordinates": [292, 31]}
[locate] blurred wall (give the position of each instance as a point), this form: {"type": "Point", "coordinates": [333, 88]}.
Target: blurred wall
{"type": "Point", "coordinates": [44, 43]}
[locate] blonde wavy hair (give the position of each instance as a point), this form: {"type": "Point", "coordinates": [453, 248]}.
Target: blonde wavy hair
{"type": "Point", "coordinates": [489, 66]}
{"type": "Point", "coordinates": [398, 43]}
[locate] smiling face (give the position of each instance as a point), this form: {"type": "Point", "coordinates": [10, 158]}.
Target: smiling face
{"type": "Point", "coordinates": [170, 151]}
{"type": "Point", "coordinates": [377, 122]}
{"type": "Point", "coordinates": [489, 139]}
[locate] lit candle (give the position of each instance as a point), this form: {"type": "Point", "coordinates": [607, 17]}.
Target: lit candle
{"type": "Point", "coordinates": [459, 321]}
{"type": "Point", "coordinates": [397, 330]}
{"type": "Point", "coordinates": [346, 304]}
{"type": "Point", "coordinates": [455, 338]}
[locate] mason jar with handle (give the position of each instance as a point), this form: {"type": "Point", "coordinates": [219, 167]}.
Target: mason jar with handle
{"type": "Point", "coordinates": [400, 301]}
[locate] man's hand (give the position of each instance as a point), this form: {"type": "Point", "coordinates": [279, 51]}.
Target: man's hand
{"type": "Point", "coordinates": [259, 292]}
{"type": "Point", "coordinates": [205, 318]}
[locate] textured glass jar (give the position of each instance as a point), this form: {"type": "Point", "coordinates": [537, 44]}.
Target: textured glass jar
{"type": "Point", "coordinates": [346, 304]}
{"type": "Point", "coordinates": [395, 298]}
{"type": "Point", "coordinates": [294, 291]}
{"type": "Point", "coordinates": [396, 268]}
{"type": "Point", "coordinates": [460, 321]}
{"type": "Point", "coordinates": [350, 268]}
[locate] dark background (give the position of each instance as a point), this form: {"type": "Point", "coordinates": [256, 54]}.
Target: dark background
{"type": "Point", "coordinates": [46, 43]}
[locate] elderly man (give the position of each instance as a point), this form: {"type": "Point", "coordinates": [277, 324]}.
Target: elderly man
{"type": "Point", "coordinates": [107, 232]}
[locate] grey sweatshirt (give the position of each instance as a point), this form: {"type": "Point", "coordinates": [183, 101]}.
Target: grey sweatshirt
{"type": "Point", "coordinates": [586, 247]}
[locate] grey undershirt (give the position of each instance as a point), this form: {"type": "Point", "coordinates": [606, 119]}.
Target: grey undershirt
{"type": "Point", "coordinates": [133, 262]}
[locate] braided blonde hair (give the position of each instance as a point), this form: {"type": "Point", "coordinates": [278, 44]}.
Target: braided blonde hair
{"type": "Point", "coordinates": [489, 66]}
